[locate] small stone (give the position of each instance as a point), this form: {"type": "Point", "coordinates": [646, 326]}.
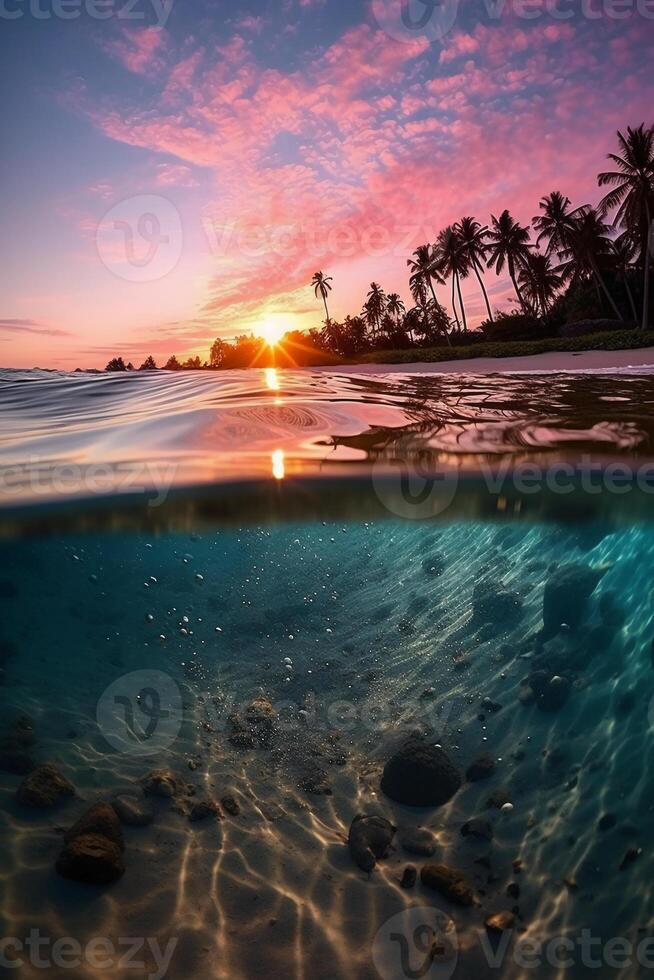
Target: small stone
{"type": "Point", "coordinates": [202, 810]}
{"type": "Point", "coordinates": [44, 787]}
{"type": "Point", "coordinates": [230, 805]}
{"type": "Point", "coordinates": [162, 783]}
{"type": "Point", "coordinates": [451, 883]}
{"type": "Point", "coordinates": [420, 774]}
{"type": "Point", "coordinates": [477, 827]}
{"type": "Point", "coordinates": [500, 922]}
{"type": "Point", "coordinates": [409, 877]}
{"type": "Point", "coordinates": [92, 859]}
{"type": "Point", "coordinates": [481, 768]}
{"type": "Point", "coordinates": [370, 839]}
{"type": "Point", "coordinates": [99, 819]}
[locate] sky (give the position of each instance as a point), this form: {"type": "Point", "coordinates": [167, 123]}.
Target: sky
{"type": "Point", "coordinates": [176, 170]}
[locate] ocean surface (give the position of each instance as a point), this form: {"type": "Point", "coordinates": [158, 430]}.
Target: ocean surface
{"type": "Point", "coordinates": [230, 603]}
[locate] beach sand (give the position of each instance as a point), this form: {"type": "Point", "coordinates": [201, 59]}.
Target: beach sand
{"type": "Point", "coordinates": [562, 361]}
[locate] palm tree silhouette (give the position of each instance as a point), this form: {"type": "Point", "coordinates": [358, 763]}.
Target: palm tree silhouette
{"type": "Point", "coordinates": [453, 262]}
{"type": "Point", "coordinates": [424, 273]}
{"type": "Point", "coordinates": [539, 281]}
{"type": "Point", "coordinates": [322, 285]}
{"type": "Point", "coordinates": [508, 245]}
{"type": "Point", "coordinates": [395, 306]}
{"type": "Point", "coordinates": [472, 235]}
{"type": "Point", "coordinates": [556, 222]}
{"type": "Point", "coordinates": [589, 247]}
{"type": "Point", "coordinates": [375, 306]}
{"type": "Point", "coordinates": [624, 252]}
{"type": "Point", "coordinates": [633, 195]}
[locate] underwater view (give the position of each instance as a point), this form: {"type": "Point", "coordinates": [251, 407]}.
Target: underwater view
{"type": "Point", "coordinates": [369, 697]}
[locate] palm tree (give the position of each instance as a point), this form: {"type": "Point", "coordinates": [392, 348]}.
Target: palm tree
{"type": "Point", "coordinates": [556, 222]}
{"type": "Point", "coordinates": [472, 236]}
{"type": "Point", "coordinates": [539, 281]}
{"type": "Point", "coordinates": [424, 269]}
{"type": "Point", "coordinates": [633, 195]}
{"type": "Point", "coordinates": [424, 273]}
{"type": "Point", "coordinates": [508, 245]}
{"type": "Point", "coordinates": [395, 306]}
{"type": "Point", "coordinates": [589, 247]}
{"type": "Point", "coordinates": [453, 262]}
{"type": "Point", "coordinates": [375, 306]}
{"type": "Point", "coordinates": [322, 285]}
{"type": "Point", "coordinates": [624, 252]}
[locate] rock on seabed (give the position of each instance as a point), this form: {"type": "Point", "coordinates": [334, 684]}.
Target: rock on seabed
{"type": "Point", "coordinates": [420, 774]}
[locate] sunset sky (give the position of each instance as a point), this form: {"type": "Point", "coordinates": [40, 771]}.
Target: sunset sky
{"type": "Point", "coordinates": [270, 140]}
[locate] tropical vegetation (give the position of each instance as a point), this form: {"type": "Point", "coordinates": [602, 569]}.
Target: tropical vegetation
{"type": "Point", "coordinates": [571, 267]}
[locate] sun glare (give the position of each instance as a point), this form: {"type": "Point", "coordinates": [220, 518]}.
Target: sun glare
{"type": "Point", "coordinates": [272, 329]}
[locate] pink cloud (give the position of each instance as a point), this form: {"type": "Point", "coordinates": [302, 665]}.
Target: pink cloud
{"type": "Point", "coordinates": [389, 148]}
{"type": "Point", "coordinates": [138, 50]}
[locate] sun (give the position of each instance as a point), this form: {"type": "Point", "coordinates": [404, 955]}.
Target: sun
{"type": "Point", "coordinates": [272, 329]}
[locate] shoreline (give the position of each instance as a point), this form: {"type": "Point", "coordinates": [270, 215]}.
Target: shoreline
{"type": "Point", "coordinates": [593, 360]}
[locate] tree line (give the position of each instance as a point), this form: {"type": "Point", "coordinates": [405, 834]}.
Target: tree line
{"type": "Point", "coordinates": [571, 263]}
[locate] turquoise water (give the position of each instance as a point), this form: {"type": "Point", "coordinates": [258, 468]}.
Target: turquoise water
{"type": "Point", "coordinates": [276, 663]}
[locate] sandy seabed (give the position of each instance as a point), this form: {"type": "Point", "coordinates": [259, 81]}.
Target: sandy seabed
{"type": "Point", "coordinates": [371, 631]}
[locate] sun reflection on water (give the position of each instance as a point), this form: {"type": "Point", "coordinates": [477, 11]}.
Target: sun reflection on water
{"type": "Point", "coordinates": [278, 465]}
